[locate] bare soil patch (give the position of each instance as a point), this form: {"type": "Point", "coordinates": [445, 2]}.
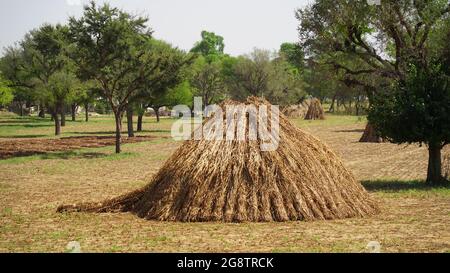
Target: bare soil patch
{"type": "Point", "coordinates": [30, 146]}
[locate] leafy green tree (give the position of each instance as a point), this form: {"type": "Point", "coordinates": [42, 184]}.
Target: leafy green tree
{"type": "Point", "coordinates": [17, 71]}
{"type": "Point", "coordinates": [371, 46]}
{"type": "Point", "coordinates": [417, 109]}
{"type": "Point", "coordinates": [173, 66]}
{"type": "Point", "coordinates": [285, 84]}
{"type": "Point", "coordinates": [62, 86]}
{"type": "Point", "coordinates": [251, 74]}
{"type": "Point", "coordinates": [293, 54]}
{"type": "Point", "coordinates": [211, 46]}
{"type": "Point", "coordinates": [207, 80]}
{"type": "Point", "coordinates": [113, 48]}
{"type": "Point", "coordinates": [180, 94]}
{"type": "Point", "coordinates": [44, 54]}
{"type": "Point", "coordinates": [264, 74]}
{"type": "Point", "coordinates": [29, 68]}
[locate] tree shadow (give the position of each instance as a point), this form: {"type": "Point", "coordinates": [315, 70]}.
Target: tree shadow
{"type": "Point", "coordinates": [350, 131]}
{"type": "Point", "coordinates": [72, 155]}
{"type": "Point", "coordinates": [24, 136]}
{"type": "Point", "coordinates": [114, 132]}
{"type": "Point", "coordinates": [37, 125]}
{"type": "Point", "coordinates": [399, 185]}
{"type": "Point", "coordinates": [94, 133]}
{"type": "Point", "coordinates": [56, 155]}
{"type": "Point", "coordinates": [12, 122]}
{"type": "Point", "coordinates": [155, 131]}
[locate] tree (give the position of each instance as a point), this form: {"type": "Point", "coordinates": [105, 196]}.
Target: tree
{"type": "Point", "coordinates": [12, 69]}
{"type": "Point", "coordinates": [61, 86]}
{"type": "Point", "coordinates": [285, 84]}
{"type": "Point", "coordinates": [417, 109]}
{"type": "Point", "coordinates": [29, 68]}
{"type": "Point", "coordinates": [44, 54]}
{"type": "Point", "coordinates": [172, 70]}
{"type": "Point", "coordinates": [113, 48]}
{"type": "Point", "coordinates": [293, 54]}
{"type": "Point", "coordinates": [371, 45]}
{"type": "Point", "coordinates": [264, 74]}
{"type": "Point", "coordinates": [6, 93]}
{"type": "Point", "coordinates": [251, 74]}
{"type": "Point", "coordinates": [211, 46]}
{"type": "Point", "coordinates": [180, 94]}
{"type": "Point", "coordinates": [207, 80]}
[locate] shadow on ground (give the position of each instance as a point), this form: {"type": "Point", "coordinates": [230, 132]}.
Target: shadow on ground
{"type": "Point", "coordinates": [399, 185]}
{"type": "Point", "coordinates": [23, 136]}
{"type": "Point", "coordinates": [350, 131]}
{"type": "Point", "coordinates": [72, 154]}
{"type": "Point", "coordinates": [114, 132]}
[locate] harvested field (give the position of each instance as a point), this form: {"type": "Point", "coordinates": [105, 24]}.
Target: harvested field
{"type": "Point", "coordinates": [413, 218]}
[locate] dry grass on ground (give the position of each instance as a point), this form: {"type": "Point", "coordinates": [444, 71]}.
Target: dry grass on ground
{"type": "Point", "coordinates": [414, 217]}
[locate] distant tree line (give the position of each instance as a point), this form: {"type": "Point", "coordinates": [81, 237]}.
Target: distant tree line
{"type": "Point", "coordinates": [390, 61]}
{"type": "Point", "coordinates": [108, 60]}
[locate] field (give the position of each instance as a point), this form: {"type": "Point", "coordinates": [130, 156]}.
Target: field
{"type": "Point", "coordinates": [414, 218]}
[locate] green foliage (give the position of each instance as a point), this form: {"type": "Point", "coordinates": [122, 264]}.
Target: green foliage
{"type": "Point", "coordinates": [293, 53]}
{"type": "Point", "coordinates": [416, 109]}
{"type": "Point", "coordinates": [260, 74]}
{"type": "Point", "coordinates": [207, 80]}
{"type": "Point", "coordinates": [180, 94]}
{"type": "Point", "coordinates": [62, 86]}
{"type": "Point", "coordinates": [370, 45]}
{"type": "Point", "coordinates": [171, 72]}
{"type": "Point", "coordinates": [285, 85]}
{"type": "Point", "coordinates": [211, 46]}
{"type": "Point", "coordinates": [112, 48]}
{"type": "Point", "coordinates": [6, 93]}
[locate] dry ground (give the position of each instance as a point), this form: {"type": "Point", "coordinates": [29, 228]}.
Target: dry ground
{"type": "Point", "coordinates": [415, 218]}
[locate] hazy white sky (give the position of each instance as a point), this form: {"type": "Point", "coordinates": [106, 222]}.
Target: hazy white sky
{"type": "Point", "coordinates": [244, 24]}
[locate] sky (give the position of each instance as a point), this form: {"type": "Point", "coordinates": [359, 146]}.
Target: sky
{"type": "Point", "coordinates": [244, 24]}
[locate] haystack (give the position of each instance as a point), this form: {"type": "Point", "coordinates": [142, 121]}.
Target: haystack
{"type": "Point", "coordinates": [370, 135]}
{"type": "Point", "coordinates": [315, 110]}
{"type": "Point", "coordinates": [234, 181]}
{"type": "Point", "coordinates": [296, 110]}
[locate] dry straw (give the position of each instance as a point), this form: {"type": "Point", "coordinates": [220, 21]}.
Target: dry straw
{"type": "Point", "coordinates": [234, 181]}
{"type": "Point", "coordinates": [371, 135]}
{"type": "Point", "coordinates": [315, 110]}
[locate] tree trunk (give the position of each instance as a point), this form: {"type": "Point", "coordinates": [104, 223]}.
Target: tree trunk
{"type": "Point", "coordinates": [21, 109]}
{"type": "Point", "coordinates": [130, 121]}
{"type": "Point", "coordinates": [63, 115]}
{"type": "Point", "coordinates": [118, 118]}
{"type": "Point", "coordinates": [139, 122]}
{"type": "Point", "coordinates": [434, 174]}
{"type": "Point", "coordinates": [331, 110]}
{"type": "Point", "coordinates": [73, 111]}
{"type": "Point", "coordinates": [86, 112]}
{"type": "Point", "coordinates": [41, 111]}
{"type": "Point", "coordinates": [156, 109]}
{"type": "Point", "coordinates": [57, 122]}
